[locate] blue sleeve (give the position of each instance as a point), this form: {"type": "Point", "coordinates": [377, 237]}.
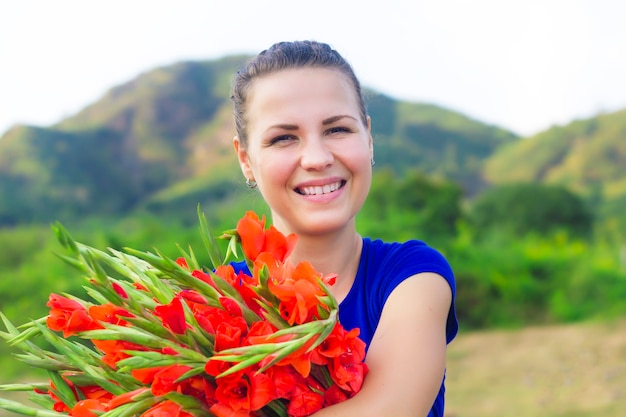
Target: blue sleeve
{"type": "Point", "coordinates": [404, 260]}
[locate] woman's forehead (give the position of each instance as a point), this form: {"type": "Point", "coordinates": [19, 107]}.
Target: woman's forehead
{"type": "Point", "coordinates": [290, 91]}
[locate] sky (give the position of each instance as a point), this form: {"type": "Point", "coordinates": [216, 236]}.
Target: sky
{"type": "Point", "coordinates": [523, 65]}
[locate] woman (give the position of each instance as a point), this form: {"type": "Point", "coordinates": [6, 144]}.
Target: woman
{"type": "Point", "coordinates": [304, 138]}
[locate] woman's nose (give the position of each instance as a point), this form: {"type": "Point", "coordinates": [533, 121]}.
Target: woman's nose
{"type": "Point", "coordinates": [315, 154]}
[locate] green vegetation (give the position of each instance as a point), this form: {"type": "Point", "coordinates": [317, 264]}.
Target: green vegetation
{"type": "Point", "coordinates": [505, 278]}
{"type": "Point", "coordinates": [535, 228]}
{"type": "Point", "coordinates": [586, 156]}
{"type": "Point", "coordinates": [530, 208]}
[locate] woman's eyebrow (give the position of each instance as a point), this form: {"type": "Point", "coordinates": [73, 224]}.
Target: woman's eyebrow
{"type": "Point", "coordinates": [333, 119]}
{"type": "Point", "coordinates": [283, 126]}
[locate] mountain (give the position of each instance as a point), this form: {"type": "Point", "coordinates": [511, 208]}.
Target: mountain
{"type": "Point", "coordinates": [587, 156]}
{"type": "Point", "coordinates": [164, 140]}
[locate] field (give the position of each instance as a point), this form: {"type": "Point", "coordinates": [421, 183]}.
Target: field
{"type": "Point", "coordinates": [554, 371]}
{"type": "Point", "coordinates": [566, 370]}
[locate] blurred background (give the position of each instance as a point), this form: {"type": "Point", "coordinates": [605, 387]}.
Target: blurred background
{"type": "Point", "coordinates": [500, 139]}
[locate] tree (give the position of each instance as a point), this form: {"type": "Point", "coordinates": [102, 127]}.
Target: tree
{"type": "Point", "coordinates": [529, 207]}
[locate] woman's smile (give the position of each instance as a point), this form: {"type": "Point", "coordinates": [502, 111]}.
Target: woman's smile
{"type": "Point", "coordinates": [313, 190]}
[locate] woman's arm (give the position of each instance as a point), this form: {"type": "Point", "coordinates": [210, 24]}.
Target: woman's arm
{"type": "Point", "coordinates": [406, 358]}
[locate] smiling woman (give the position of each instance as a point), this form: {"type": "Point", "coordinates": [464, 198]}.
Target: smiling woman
{"type": "Point", "coordinates": [304, 137]}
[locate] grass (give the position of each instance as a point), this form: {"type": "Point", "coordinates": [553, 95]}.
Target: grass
{"type": "Point", "coordinates": [576, 370]}
{"type": "Point", "coordinates": [567, 370]}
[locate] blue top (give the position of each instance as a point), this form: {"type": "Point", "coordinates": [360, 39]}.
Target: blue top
{"type": "Point", "coordinates": [382, 267]}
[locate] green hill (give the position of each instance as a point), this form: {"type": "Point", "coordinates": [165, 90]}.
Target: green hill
{"type": "Point", "coordinates": [164, 140]}
{"type": "Point", "coordinates": [586, 156]}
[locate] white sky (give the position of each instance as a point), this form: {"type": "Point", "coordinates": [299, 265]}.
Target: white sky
{"type": "Point", "coordinates": [520, 64]}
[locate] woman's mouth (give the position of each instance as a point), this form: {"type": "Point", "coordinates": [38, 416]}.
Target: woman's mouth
{"type": "Point", "coordinates": [320, 189]}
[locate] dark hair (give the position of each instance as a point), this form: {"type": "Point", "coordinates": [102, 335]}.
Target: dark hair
{"type": "Point", "coordinates": [282, 56]}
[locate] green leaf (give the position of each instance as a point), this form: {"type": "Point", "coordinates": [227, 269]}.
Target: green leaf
{"type": "Point", "coordinates": [20, 408]}
{"type": "Point", "coordinates": [209, 241]}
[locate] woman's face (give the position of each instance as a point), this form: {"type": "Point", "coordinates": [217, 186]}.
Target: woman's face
{"type": "Point", "coordinates": [308, 149]}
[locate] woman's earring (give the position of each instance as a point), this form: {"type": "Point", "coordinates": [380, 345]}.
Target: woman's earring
{"type": "Point", "coordinates": [373, 162]}
{"type": "Point", "coordinates": [250, 183]}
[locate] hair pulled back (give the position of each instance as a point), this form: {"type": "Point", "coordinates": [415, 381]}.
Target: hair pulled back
{"type": "Point", "coordinates": [283, 56]}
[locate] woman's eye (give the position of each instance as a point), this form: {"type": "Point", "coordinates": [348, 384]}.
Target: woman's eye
{"type": "Point", "coordinates": [338, 129]}
{"type": "Point", "coordinates": [281, 139]}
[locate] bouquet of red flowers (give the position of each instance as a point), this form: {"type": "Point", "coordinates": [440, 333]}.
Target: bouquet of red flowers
{"type": "Point", "coordinates": [163, 337]}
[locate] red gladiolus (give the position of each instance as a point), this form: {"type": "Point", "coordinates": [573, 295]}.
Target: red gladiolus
{"type": "Point", "coordinates": [285, 379]}
{"type": "Point", "coordinates": [304, 402]}
{"type": "Point", "coordinates": [173, 316]}
{"type": "Point", "coordinates": [203, 276]}
{"type": "Point", "coordinates": [68, 316]}
{"type": "Point", "coordinates": [299, 294]}
{"type": "Point", "coordinates": [86, 408]}
{"type": "Point", "coordinates": [334, 395]}
{"type": "Point", "coordinates": [119, 290]}
{"type": "Point", "coordinates": [164, 379]}
{"type": "Point", "coordinates": [243, 284]}
{"type": "Point", "coordinates": [209, 318]}
{"type": "Point", "coordinates": [182, 262]}
{"type": "Point", "coordinates": [192, 296]}
{"type": "Point", "coordinates": [166, 408]}
{"type": "Point", "coordinates": [109, 313]}
{"type": "Point", "coordinates": [227, 336]}
{"type": "Point", "coordinates": [231, 306]}
{"type": "Point", "coordinates": [146, 375]}
{"type": "Point", "coordinates": [243, 391]}
{"type": "Point", "coordinates": [124, 398]}
{"type": "Point", "coordinates": [341, 342]}
{"type": "Point", "coordinates": [222, 410]}
{"type": "Point", "coordinates": [169, 379]}
{"type": "Point", "coordinates": [114, 350]}
{"type": "Point", "coordinates": [95, 392]}
{"type": "Point", "coordinates": [256, 240]}
{"type": "Point", "coordinates": [344, 353]}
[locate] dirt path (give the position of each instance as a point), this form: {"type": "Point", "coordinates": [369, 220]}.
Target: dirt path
{"type": "Point", "coordinates": [572, 370]}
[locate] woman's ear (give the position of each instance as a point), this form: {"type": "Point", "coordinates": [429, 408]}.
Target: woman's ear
{"type": "Point", "coordinates": [244, 159]}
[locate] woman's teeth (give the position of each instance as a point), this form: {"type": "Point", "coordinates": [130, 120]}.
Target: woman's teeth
{"type": "Point", "coordinates": [318, 190]}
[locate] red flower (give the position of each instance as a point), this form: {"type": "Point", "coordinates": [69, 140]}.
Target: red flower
{"type": "Point", "coordinates": [173, 316]}
{"type": "Point", "coordinates": [203, 276]}
{"type": "Point", "coordinates": [109, 313]}
{"type": "Point", "coordinates": [182, 262]}
{"type": "Point", "coordinates": [341, 342]}
{"type": "Point", "coordinates": [345, 353]}
{"type": "Point", "coordinates": [124, 398]}
{"type": "Point", "coordinates": [334, 395]}
{"type": "Point", "coordinates": [299, 293]}
{"type": "Point", "coordinates": [256, 240]}
{"type": "Point", "coordinates": [285, 379]}
{"type": "Point", "coordinates": [114, 350]}
{"type": "Point", "coordinates": [304, 401]}
{"type": "Point", "coordinates": [243, 391]}
{"type": "Point", "coordinates": [86, 408]}
{"type": "Point", "coordinates": [166, 408]}
{"type": "Point", "coordinates": [243, 283]}
{"type": "Point", "coordinates": [119, 290]}
{"type": "Point", "coordinates": [95, 392]}
{"type": "Point", "coordinates": [68, 316]}
{"type": "Point", "coordinates": [164, 379]}
{"type": "Point", "coordinates": [228, 334]}
{"type": "Point", "coordinates": [146, 375]}
{"type": "Point", "coordinates": [192, 296]}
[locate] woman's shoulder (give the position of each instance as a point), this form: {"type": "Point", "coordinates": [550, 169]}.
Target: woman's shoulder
{"type": "Point", "coordinates": [410, 251]}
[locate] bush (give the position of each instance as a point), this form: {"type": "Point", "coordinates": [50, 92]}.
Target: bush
{"type": "Point", "coordinates": [518, 209]}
